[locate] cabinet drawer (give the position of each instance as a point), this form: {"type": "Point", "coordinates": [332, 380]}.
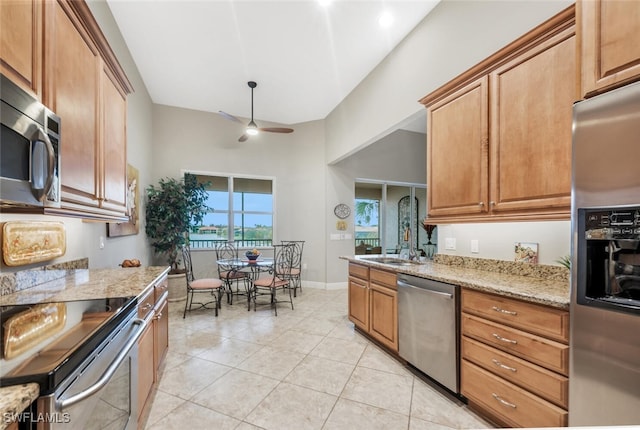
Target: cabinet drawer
{"type": "Point", "coordinates": [545, 321]}
{"type": "Point", "coordinates": [359, 271]}
{"type": "Point", "coordinates": [146, 304]}
{"type": "Point", "coordinates": [382, 277]}
{"type": "Point", "coordinates": [160, 288]}
{"type": "Point", "coordinates": [515, 406]}
{"type": "Point", "coordinates": [548, 353]}
{"type": "Point", "coordinates": [546, 384]}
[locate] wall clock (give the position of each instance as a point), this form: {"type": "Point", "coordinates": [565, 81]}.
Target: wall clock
{"type": "Point", "coordinates": [342, 211]}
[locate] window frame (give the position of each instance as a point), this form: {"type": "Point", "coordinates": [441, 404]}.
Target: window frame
{"type": "Point", "coordinates": [231, 211]}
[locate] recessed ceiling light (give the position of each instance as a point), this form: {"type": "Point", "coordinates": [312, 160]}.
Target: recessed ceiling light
{"type": "Point", "coordinates": [324, 3]}
{"type": "Point", "coordinates": [385, 20]}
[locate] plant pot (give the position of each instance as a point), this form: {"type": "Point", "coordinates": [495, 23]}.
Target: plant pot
{"type": "Point", "coordinates": [177, 287]}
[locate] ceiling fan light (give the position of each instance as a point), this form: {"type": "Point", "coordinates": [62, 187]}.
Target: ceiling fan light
{"type": "Point", "coordinates": [252, 129]}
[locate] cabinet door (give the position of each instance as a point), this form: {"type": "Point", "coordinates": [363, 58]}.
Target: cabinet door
{"type": "Point", "coordinates": [113, 145]}
{"type": "Point", "coordinates": [20, 43]}
{"type": "Point", "coordinates": [457, 152]}
{"type": "Point", "coordinates": [146, 371]}
{"type": "Point", "coordinates": [531, 110]}
{"type": "Point", "coordinates": [383, 318]}
{"type": "Point", "coordinates": [610, 43]}
{"type": "Point", "coordinates": [161, 333]}
{"type": "Point", "coordinates": [359, 303]}
{"type": "Point", "coordinates": [72, 70]}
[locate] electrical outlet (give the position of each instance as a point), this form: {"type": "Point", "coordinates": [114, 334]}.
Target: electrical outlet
{"type": "Point", "coordinates": [450, 243]}
{"type": "Point", "coordinates": [101, 244]}
{"type": "Point", "coordinates": [475, 247]}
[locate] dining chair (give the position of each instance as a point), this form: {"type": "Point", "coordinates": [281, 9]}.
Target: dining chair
{"type": "Point", "coordinates": [229, 274]}
{"type": "Point", "coordinates": [269, 285]}
{"type": "Point", "coordinates": [294, 274]}
{"type": "Point", "coordinates": [210, 286]}
{"type": "Point", "coordinates": [361, 249]}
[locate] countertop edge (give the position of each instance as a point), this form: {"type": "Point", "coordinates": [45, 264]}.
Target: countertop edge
{"type": "Point", "coordinates": [14, 400]}
{"type": "Point", "coordinates": [533, 290]}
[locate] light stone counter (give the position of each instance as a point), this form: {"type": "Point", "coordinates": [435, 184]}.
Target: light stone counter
{"type": "Point", "coordinates": [79, 284]}
{"type": "Point", "coordinates": [14, 400]}
{"type": "Point", "coordinates": [86, 284]}
{"type": "Point", "coordinates": [547, 285]}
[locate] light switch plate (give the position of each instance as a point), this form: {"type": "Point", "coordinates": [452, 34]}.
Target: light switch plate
{"type": "Point", "coordinates": [475, 246]}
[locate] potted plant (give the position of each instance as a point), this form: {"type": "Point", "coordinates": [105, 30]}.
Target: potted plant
{"type": "Point", "coordinates": [172, 207]}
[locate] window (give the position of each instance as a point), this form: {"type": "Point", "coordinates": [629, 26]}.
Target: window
{"type": "Point", "coordinates": [241, 210]}
{"type": "Point", "coordinates": [367, 228]}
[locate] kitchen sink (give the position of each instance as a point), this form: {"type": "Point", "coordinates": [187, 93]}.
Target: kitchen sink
{"type": "Point", "coordinates": [392, 261]}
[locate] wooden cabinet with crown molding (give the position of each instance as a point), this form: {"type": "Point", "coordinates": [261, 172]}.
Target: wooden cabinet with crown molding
{"type": "Point", "coordinates": [499, 135]}
{"type": "Point", "coordinates": [86, 87]}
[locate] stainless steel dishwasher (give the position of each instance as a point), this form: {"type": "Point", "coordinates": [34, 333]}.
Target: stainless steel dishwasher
{"type": "Point", "coordinates": [428, 328]}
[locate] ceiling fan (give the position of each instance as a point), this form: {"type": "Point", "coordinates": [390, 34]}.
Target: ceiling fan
{"type": "Point", "coordinates": [252, 127]}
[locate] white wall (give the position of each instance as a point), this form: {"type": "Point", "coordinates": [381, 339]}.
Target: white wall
{"type": "Point", "coordinates": [189, 140]}
{"type": "Point", "coordinates": [498, 241]}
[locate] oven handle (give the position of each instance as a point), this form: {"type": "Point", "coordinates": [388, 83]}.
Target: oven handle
{"type": "Point", "coordinates": [106, 376]}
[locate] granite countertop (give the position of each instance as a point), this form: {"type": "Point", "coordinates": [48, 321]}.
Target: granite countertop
{"type": "Point", "coordinates": [85, 284]}
{"type": "Point", "coordinates": [79, 284]}
{"type": "Point", "coordinates": [552, 290]}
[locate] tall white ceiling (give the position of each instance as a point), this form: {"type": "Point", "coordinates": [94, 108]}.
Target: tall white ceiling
{"type": "Point", "coordinates": [305, 57]}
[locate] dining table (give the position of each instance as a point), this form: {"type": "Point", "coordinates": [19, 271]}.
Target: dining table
{"type": "Point", "coordinates": [252, 268]}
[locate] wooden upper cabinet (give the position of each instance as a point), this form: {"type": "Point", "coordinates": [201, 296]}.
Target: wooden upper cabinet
{"type": "Point", "coordinates": [457, 134]}
{"type": "Point", "coordinates": [114, 144]}
{"type": "Point", "coordinates": [499, 135]}
{"type": "Point", "coordinates": [531, 107]}
{"type": "Point", "coordinates": [21, 43]}
{"type": "Point", "coordinates": [85, 85]}
{"type": "Point", "coordinates": [72, 63]}
{"type": "Point", "coordinates": [610, 43]}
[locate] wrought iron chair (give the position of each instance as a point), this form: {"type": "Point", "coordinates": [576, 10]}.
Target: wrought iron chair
{"type": "Point", "coordinates": [296, 265]}
{"type": "Point", "coordinates": [229, 274]}
{"type": "Point", "coordinates": [269, 285]}
{"type": "Point", "coordinates": [210, 286]}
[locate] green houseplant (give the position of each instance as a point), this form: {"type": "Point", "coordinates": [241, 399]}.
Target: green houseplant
{"type": "Point", "coordinates": [172, 206]}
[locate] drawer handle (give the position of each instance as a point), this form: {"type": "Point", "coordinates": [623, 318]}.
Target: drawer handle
{"type": "Point", "coordinates": [159, 315]}
{"type": "Point", "coordinates": [504, 311]}
{"type": "Point", "coordinates": [504, 366]}
{"type": "Point", "coordinates": [504, 402]}
{"type": "Point", "coordinates": [146, 306]}
{"type": "Point", "coordinates": [504, 339]}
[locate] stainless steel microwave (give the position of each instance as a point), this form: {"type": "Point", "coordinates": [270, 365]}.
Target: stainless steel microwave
{"type": "Point", "coordinates": [29, 150]}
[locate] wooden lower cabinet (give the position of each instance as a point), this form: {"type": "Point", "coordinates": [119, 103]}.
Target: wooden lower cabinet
{"type": "Point", "coordinates": [514, 370]}
{"type": "Point", "coordinates": [153, 345]}
{"type": "Point", "coordinates": [373, 304]}
{"type": "Point", "coordinates": [146, 373]}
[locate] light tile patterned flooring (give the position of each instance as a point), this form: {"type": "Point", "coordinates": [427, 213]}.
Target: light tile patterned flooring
{"type": "Point", "coordinates": [304, 369]}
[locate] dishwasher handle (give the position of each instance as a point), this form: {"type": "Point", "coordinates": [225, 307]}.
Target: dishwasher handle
{"type": "Point", "coordinates": [403, 284]}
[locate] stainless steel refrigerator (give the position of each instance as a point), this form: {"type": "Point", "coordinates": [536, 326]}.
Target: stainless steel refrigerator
{"type": "Point", "coordinates": [604, 384]}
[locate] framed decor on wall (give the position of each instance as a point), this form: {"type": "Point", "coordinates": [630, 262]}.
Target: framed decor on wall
{"type": "Point", "coordinates": [115, 229]}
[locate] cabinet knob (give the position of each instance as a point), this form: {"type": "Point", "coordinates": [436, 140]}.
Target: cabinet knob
{"type": "Point", "coordinates": [481, 204]}
{"type": "Point", "coordinates": [492, 203]}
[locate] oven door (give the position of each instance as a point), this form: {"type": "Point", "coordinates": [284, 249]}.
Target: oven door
{"type": "Point", "coordinates": [102, 392]}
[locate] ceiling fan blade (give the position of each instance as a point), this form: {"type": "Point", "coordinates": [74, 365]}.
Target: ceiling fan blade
{"type": "Point", "coordinates": [276, 129]}
{"type": "Point", "coordinates": [243, 138]}
{"type": "Point", "coordinates": [229, 117]}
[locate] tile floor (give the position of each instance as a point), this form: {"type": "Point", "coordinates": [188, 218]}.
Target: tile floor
{"type": "Point", "coordinates": [304, 369]}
